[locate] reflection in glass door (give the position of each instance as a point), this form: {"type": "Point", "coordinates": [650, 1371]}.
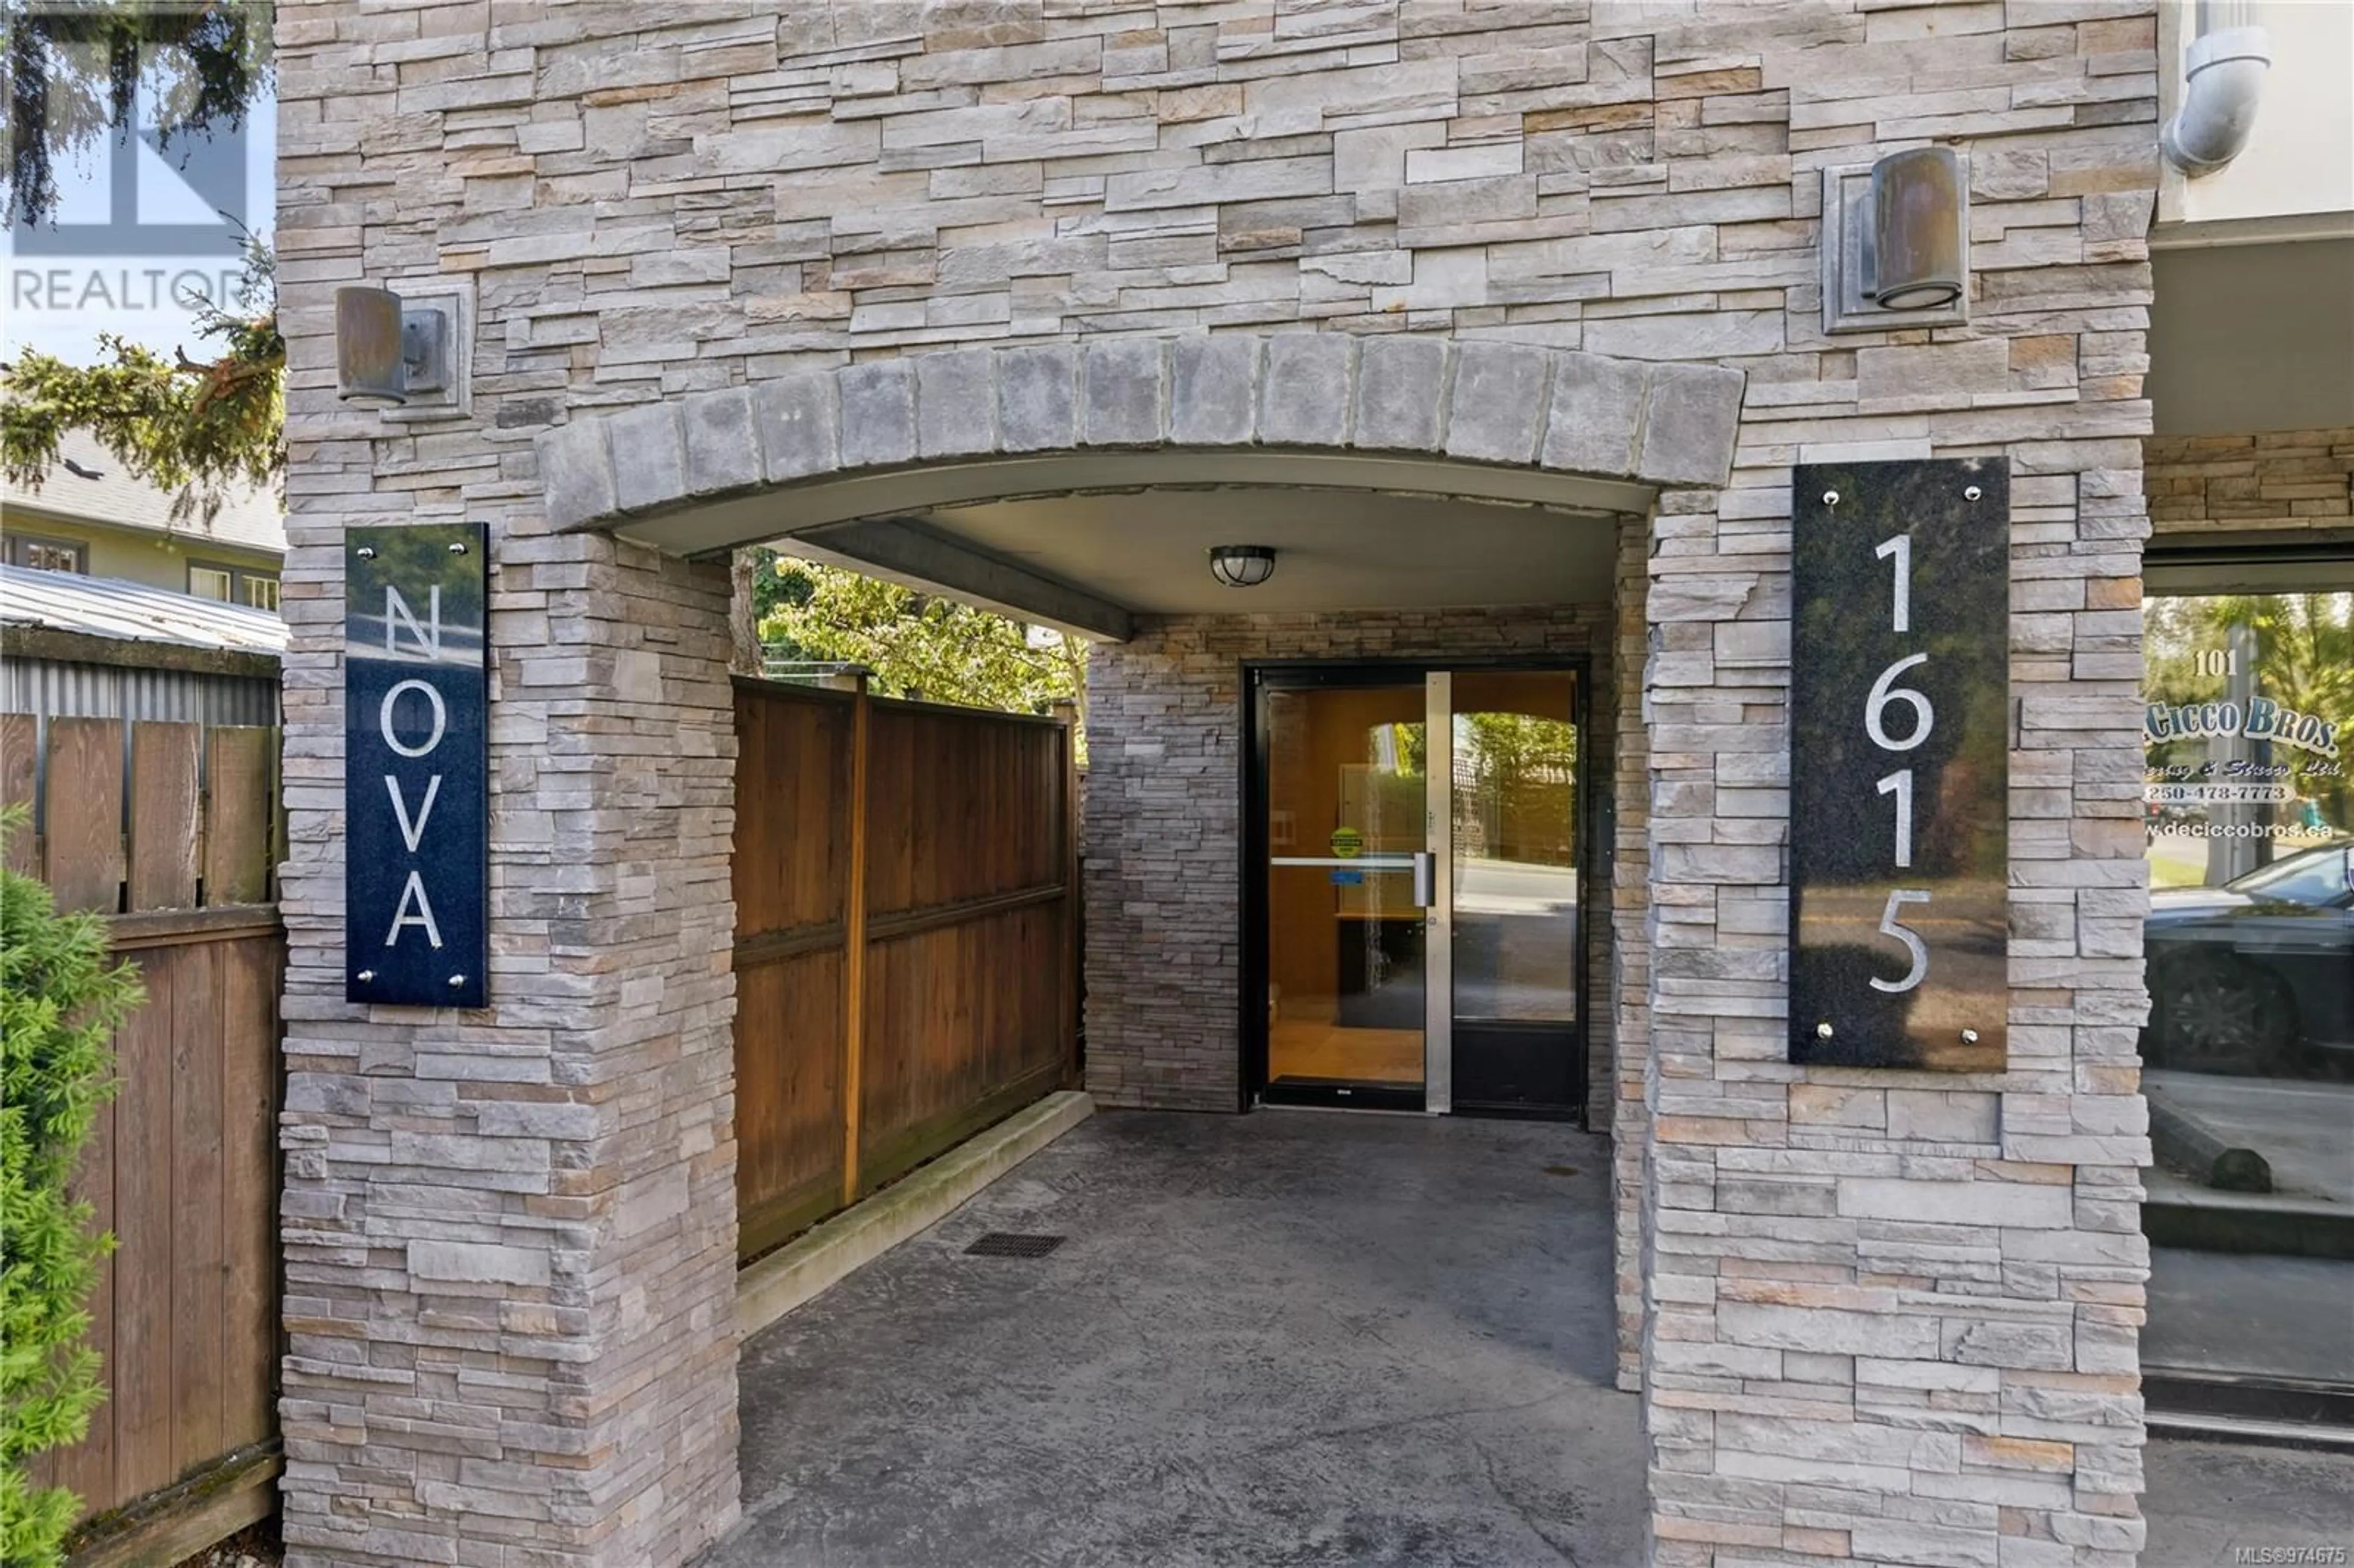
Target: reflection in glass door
{"type": "Point", "coordinates": [1511, 888]}
{"type": "Point", "coordinates": [1348, 878]}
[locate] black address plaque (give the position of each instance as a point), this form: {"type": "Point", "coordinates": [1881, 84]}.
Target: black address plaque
{"type": "Point", "coordinates": [416, 766]}
{"type": "Point", "coordinates": [1900, 716]}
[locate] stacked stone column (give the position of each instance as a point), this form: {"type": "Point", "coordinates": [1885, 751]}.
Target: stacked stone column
{"type": "Point", "coordinates": [509, 1234]}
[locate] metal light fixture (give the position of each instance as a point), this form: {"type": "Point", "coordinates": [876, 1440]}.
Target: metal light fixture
{"type": "Point", "coordinates": [369, 366]}
{"type": "Point", "coordinates": [1920, 253]}
{"type": "Point", "coordinates": [1242, 566]}
{"type": "Point", "coordinates": [384, 352]}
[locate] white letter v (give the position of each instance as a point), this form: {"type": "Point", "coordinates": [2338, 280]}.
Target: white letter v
{"type": "Point", "coordinates": [412, 832]}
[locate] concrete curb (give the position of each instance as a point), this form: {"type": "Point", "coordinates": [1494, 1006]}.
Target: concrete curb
{"type": "Point", "coordinates": [801, 1270]}
{"type": "Point", "coordinates": [2205, 1221]}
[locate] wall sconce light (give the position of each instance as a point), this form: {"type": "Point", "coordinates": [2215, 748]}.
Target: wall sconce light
{"type": "Point", "coordinates": [387, 352]}
{"type": "Point", "coordinates": [1242, 566]}
{"type": "Point", "coordinates": [1920, 250]}
{"type": "Point", "coordinates": [1897, 241]}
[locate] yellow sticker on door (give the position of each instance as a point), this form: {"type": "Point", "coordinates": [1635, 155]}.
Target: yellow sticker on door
{"type": "Point", "coordinates": [1347, 842]}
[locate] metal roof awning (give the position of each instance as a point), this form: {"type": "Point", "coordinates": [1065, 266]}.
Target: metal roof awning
{"type": "Point", "coordinates": [62, 615]}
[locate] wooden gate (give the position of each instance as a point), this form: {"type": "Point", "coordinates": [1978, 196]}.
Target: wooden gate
{"type": "Point", "coordinates": [907, 952]}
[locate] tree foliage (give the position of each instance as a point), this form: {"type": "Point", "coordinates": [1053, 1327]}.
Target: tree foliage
{"type": "Point", "coordinates": [2303, 660]}
{"type": "Point", "coordinates": [194, 427]}
{"type": "Point", "coordinates": [1512, 746]}
{"type": "Point", "coordinates": [72, 71]}
{"type": "Point", "coordinates": [950, 653]}
{"type": "Point", "coordinates": [59, 1002]}
{"type": "Point", "coordinates": [76, 73]}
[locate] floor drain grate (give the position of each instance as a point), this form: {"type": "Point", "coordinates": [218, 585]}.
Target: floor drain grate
{"type": "Point", "coordinates": [1012, 1244]}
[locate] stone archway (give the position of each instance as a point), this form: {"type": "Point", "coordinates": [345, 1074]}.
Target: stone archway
{"type": "Point", "coordinates": [834, 456]}
{"type": "Point", "coordinates": [583, 1113]}
{"type": "Point", "coordinates": [1494, 420]}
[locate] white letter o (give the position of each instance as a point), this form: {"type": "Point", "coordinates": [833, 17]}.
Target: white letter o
{"type": "Point", "coordinates": [440, 717]}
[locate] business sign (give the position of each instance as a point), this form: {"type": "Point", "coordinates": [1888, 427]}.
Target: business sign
{"type": "Point", "coordinates": [1900, 720]}
{"type": "Point", "coordinates": [415, 765]}
{"type": "Point", "coordinates": [2260, 719]}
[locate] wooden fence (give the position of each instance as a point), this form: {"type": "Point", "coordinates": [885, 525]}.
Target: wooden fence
{"type": "Point", "coordinates": [906, 963]}
{"type": "Point", "coordinates": [171, 829]}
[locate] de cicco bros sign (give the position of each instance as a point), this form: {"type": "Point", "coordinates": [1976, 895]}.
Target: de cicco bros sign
{"type": "Point", "coordinates": [1899, 723]}
{"type": "Point", "coordinates": [416, 766]}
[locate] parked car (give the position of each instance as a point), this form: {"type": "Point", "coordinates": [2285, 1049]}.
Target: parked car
{"type": "Point", "coordinates": [2244, 977]}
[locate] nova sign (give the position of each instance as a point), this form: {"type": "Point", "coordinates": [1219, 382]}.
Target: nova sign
{"type": "Point", "coordinates": [1900, 719]}
{"type": "Point", "coordinates": [416, 766]}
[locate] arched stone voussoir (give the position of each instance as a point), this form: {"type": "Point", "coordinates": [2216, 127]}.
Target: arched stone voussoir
{"type": "Point", "coordinates": [1524, 405]}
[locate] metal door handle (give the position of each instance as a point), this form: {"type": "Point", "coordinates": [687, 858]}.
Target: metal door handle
{"type": "Point", "coordinates": [1425, 879]}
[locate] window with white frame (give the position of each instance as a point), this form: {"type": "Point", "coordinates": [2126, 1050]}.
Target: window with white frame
{"type": "Point", "coordinates": [233, 584]}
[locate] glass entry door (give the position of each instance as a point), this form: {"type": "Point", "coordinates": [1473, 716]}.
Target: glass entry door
{"type": "Point", "coordinates": [1511, 893]}
{"type": "Point", "coordinates": [1348, 888]}
{"type": "Point", "coordinates": [1419, 837]}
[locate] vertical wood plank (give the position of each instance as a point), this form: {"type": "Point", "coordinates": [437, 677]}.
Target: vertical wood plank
{"type": "Point", "coordinates": [249, 976]}
{"type": "Point", "coordinates": [20, 763]}
{"type": "Point", "coordinates": [198, 1046]}
{"type": "Point", "coordinates": [854, 964]}
{"type": "Point", "coordinates": [163, 815]}
{"type": "Point", "coordinates": [88, 1467]}
{"type": "Point", "coordinates": [82, 838]}
{"type": "Point", "coordinates": [238, 814]}
{"type": "Point", "coordinates": [140, 1380]}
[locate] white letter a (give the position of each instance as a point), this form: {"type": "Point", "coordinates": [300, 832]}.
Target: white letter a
{"type": "Point", "coordinates": [424, 915]}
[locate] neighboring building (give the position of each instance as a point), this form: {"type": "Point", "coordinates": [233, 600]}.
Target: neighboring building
{"type": "Point", "coordinates": [76, 647]}
{"type": "Point", "coordinates": [1505, 328]}
{"type": "Point", "coordinates": [90, 517]}
{"type": "Point", "coordinates": [2248, 601]}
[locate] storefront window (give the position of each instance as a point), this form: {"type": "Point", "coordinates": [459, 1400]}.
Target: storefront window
{"type": "Point", "coordinates": [2249, 1054]}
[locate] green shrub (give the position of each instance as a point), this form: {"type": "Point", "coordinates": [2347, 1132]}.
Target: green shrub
{"type": "Point", "coordinates": [59, 1002]}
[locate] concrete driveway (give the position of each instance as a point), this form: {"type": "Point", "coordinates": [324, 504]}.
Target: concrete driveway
{"type": "Point", "coordinates": [2222, 1505]}
{"type": "Point", "coordinates": [1273, 1341]}
{"type": "Point", "coordinates": [1284, 1339]}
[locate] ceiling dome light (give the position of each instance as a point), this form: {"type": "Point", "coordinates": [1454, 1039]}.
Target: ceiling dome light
{"type": "Point", "coordinates": [1242, 566]}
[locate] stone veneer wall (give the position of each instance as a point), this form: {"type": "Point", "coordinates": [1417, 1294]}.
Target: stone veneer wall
{"type": "Point", "coordinates": [1886, 1316]}
{"type": "Point", "coordinates": [510, 1235]}
{"type": "Point", "coordinates": [2280, 481]}
{"type": "Point", "coordinates": [1630, 944]}
{"type": "Point", "coordinates": [1893, 1315]}
{"type": "Point", "coordinates": [1162, 831]}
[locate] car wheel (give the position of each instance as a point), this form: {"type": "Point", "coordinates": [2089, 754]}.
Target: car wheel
{"type": "Point", "coordinates": [2220, 1015]}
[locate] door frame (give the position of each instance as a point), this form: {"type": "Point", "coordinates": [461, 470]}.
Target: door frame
{"type": "Point", "coordinates": [1258, 676]}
